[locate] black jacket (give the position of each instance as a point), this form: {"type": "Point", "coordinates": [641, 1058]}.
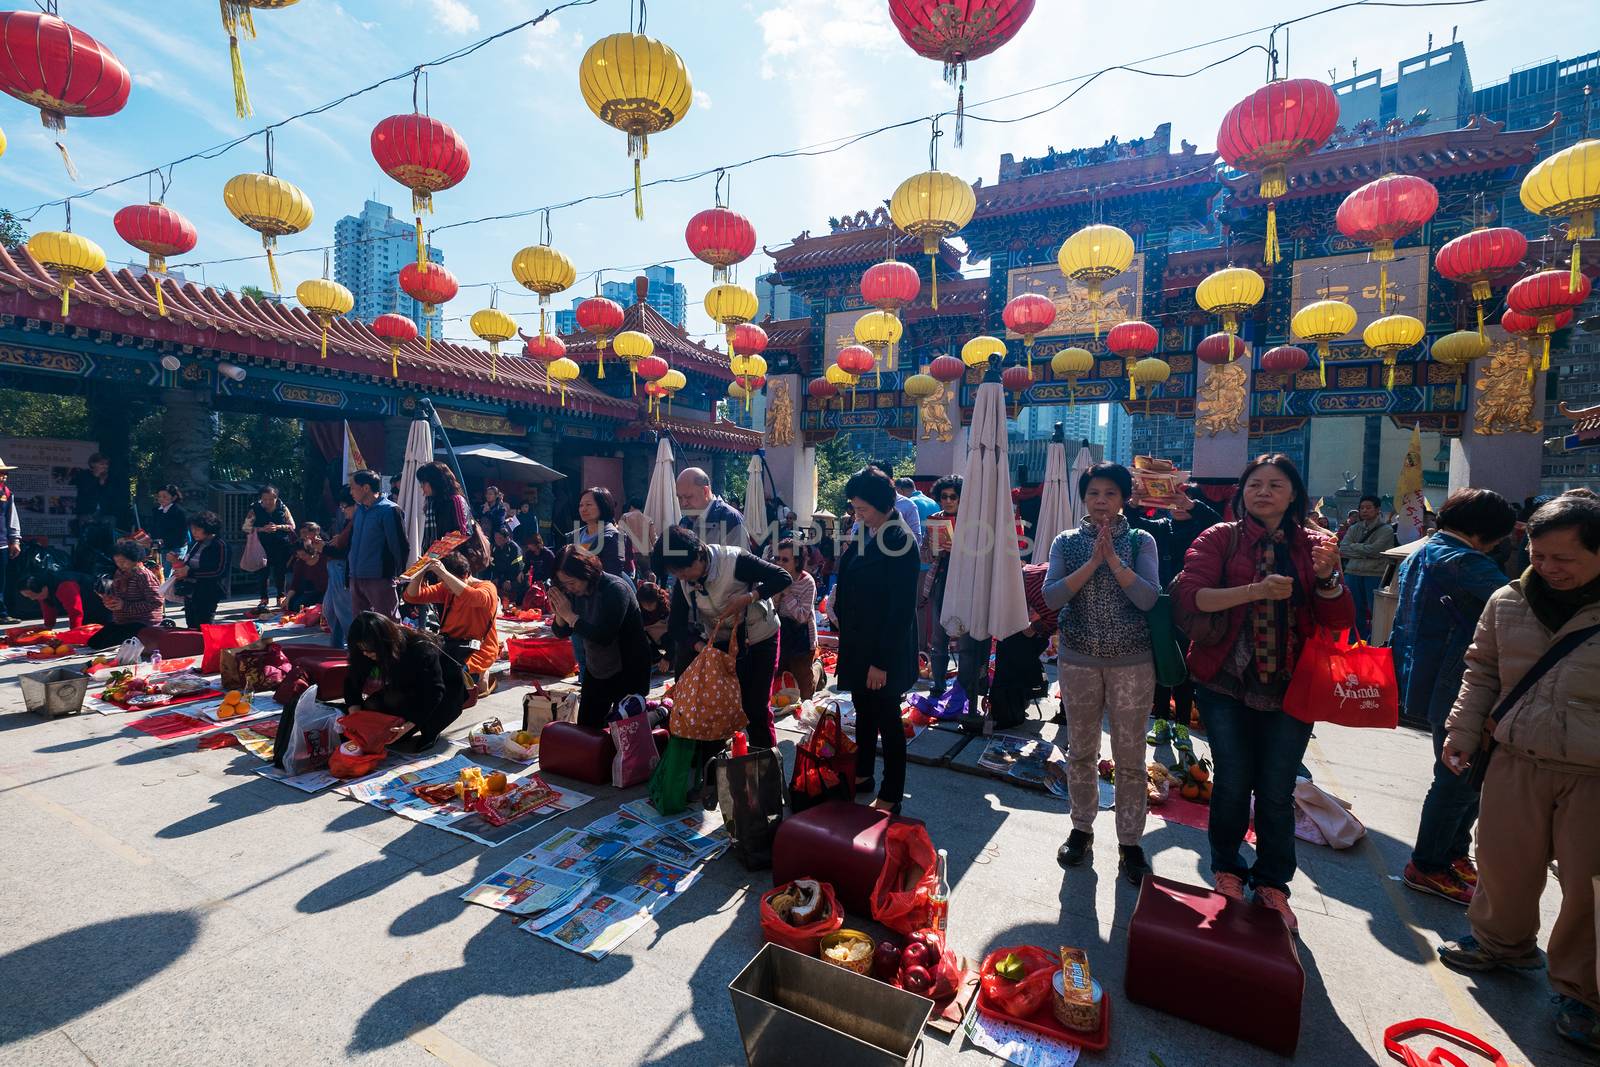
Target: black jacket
{"type": "Point", "coordinates": [425, 687]}
{"type": "Point", "coordinates": [171, 528]}
{"type": "Point", "coordinates": [876, 604]}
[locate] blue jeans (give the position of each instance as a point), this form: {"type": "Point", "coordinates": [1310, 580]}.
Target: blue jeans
{"type": "Point", "coordinates": [1364, 588]}
{"type": "Point", "coordinates": [1256, 753]}
{"type": "Point", "coordinates": [1451, 807]}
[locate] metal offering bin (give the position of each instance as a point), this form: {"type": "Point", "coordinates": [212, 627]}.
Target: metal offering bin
{"type": "Point", "coordinates": [55, 692]}
{"type": "Point", "coordinates": [796, 1010]}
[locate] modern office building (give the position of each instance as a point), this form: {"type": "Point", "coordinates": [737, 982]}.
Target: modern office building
{"type": "Point", "coordinates": [779, 301]}
{"type": "Point", "coordinates": [667, 296]}
{"type": "Point", "coordinates": [368, 252]}
{"type": "Point", "coordinates": [566, 320]}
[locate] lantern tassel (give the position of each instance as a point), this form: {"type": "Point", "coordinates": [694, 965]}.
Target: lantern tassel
{"type": "Point", "coordinates": [633, 373]}
{"type": "Point", "coordinates": [241, 94]}
{"type": "Point", "coordinates": [1322, 370]}
{"type": "Point", "coordinates": [1575, 281]}
{"type": "Point", "coordinates": [427, 330]}
{"type": "Point", "coordinates": [1383, 288]}
{"type": "Point", "coordinates": [638, 193]}
{"type": "Point", "coordinates": [1132, 386]}
{"type": "Point", "coordinates": [324, 339]}
{"type": "Point", "coordinates": [422, 255]}
{"type": "Point", "coordinates": [67, 284]}
{"type": "Point", "coordinates": [933, 272]}
{"type": "Point", "coordinates": [1273, 253]}
{"type": "Point", "coordinates": [161, 305]}
{"type": "Point", "coordinates": [961, 114]}
{"type": "Point", "coordinates": [1544, 360]}
{"type": "Point", "coordinates": [494, 357]}
{"type": "Point", "coordinates": [1481, 334]}
{"type": "Point", "coordinates": [272, 266]}
{"type": "Point", "coordinates": [600, 357]}
{"type": "Point", "coordinates": [66, 159]}
{"type": "Point", "coordinates": [1390, 385]}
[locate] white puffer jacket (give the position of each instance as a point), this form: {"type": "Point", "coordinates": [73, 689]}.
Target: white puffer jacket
{"type": "Point", "coordinates": [1557, 723]}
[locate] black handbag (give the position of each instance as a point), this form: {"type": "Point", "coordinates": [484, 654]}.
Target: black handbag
{"type": "Point", "coordinates": [1479, 766]}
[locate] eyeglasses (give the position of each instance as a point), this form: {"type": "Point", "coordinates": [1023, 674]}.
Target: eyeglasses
{"type": "Point", "coordinates": [949, 496]}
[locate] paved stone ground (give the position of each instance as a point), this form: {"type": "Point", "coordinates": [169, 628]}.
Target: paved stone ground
{"type": "Point", "coordinates": [160, 904]}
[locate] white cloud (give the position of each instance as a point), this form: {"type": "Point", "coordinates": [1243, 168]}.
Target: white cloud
{"type": "Point", "coordinates": [455, 16]}
{"type": "Point", "coordinates": [799, 37]}
{"type": "Point", "coordinates": [702, 100]}
{"type": "Point", "coordinates": [549, 46]}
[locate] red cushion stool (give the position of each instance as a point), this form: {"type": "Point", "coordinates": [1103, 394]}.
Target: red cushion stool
{"type": "Point", "coordinates": [172, 643]}
{"type": "Point", "coordinates": [1254, 980]}
{"type": "Point", "coordinates": [326, 667]}
{"type": "Point", "coordinates": [838, 843]}
{"type": "Point", "coordinates": [582, 753]}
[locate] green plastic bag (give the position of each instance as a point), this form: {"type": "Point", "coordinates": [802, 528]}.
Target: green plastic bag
{"type": "Point", "coordinates": [670, 781]}
{"type": "Point", "coordinates": [1165, 651]}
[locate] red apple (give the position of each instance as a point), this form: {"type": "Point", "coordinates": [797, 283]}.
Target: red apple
{"type": "Point", "coordinates": [886, 960]}
{"type": "Point", "coordinates": [916, 980]}
{"type": "Point", "coordinates": [917, 954]}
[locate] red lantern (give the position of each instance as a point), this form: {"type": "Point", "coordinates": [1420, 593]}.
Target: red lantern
{"type": "Point", "coordinates": [1520, 325]}
{"type": "Point", "coordinates": [1382, 211]}
{"type": "Point", "coordinates": [425, 156]}
{"type": "Point", "coordinates": [545, 347]}
{"type": "Point", "coordinates": [429, 288]}
{"type": "Point", "coordinates": [1132, 340]}
{"type": "Point", "coordinates": [1029, 314]}
{"type": "Point", "coordinates": [822, 389]}
{"type": "Point", "coordinates": [1285, 359]}
{"type": "Point", "coordinates": [1222, 348]}
{"type": "Point", "coordinates": [395, 330]}
{"type": "Point", "coordinates": [721, 238]}
{"type": "Point", "coordinates": [653, 368]}
{"type": "Point", "coordinates": [855, 359]}
{"type": "Point", "coordinates": [890, 285]}
{"type": "Point", "coordinates": [1480, 256]}
{"type": "Point", "coordinates": [60, 70]}
{"type": "Point", "coordinates": [947, 369]}
{"type": "Point", "coordinates": [1281, 121]}
{"type": "Point", "coordinates": [957, 31]}
{"type": "Point", "coordinates": [1544, 296]}
{"type": "Point", "coordinates": [600, 318]}
{"type": "Point", "coordinates": [158, 231]}
{"type": "Point", "coordinates": [747, 339]}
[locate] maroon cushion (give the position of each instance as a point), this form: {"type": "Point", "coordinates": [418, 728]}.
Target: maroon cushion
{"type": "Point", "coordinates": [578, 752]}
{"type": "Point", "coordinates": [838, 843]}
{"type": "Point", "coordinates": [1253, 978]}
{"type": "Point", "coordinates": [172, 643]}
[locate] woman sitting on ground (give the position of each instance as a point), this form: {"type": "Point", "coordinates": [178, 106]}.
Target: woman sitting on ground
{"type": "Point", "coordinates": [600, 609]}
{"type": "Point", "coordinates": [134, 598]}
{"type": "Point", "coordinates": [403, 672]}
{"type": "Point", "coordinates": [66, 594]}
{"type": "Point", "coordinates": [203, 569]}
{"type": "Point", "coordinates": [466, 616]}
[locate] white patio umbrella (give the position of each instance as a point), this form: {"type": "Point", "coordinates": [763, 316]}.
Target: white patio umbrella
{"type": "Point", "coordinates": [983, 595]}
{"type": "Point", "coordinates": [661, 502]}
{"type": "Point", "coordinates": [805, 489]}
{"type": "Point", "coordinates": [1054, 504]}
{"type": "Point", "coordinates": [1082, 462]}
{"type": "Point", "coordinates": [407, 491]}
{"type": "Point", "coordinates": [755, 501]}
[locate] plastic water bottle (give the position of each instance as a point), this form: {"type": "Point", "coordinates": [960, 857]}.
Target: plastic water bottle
{"type": "Point", "coordinates": [939, 899]}
{"type": "Point", "coordinates": [741, 743]}
{"type": "Point", "coordinates": [155, 662]}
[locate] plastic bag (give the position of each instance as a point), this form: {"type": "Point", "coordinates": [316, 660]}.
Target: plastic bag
{"type": "Point", "coordinates": [1324, 819]}
{"type": "Point", "coordinates": [503, 745]}
{"type": "Point", "coordinates": [806, 938]}
{"type": "Point", "coordinates": [950, 704]}
{"type": "Point", "coordinates": [909, 876]}
{"type": "Point", "coordinates": [254, 556]}
{"type": "Point", "coordinates": [635, 744]}
{"type": "Point", "coordinates": [310, 733]}
{"type": "Point", "coordinates": [218, 636]}
{"type": "Point", "coordinates": [368, 734]}
{"type": "Point", "coordinates": [1023, 997]}
{"type": "Point", "coordinates": [670, 781]}
{"type": "Point", "coordinates": [1441, 1054]}
{"type": "Point", "coordinates": [824, 763]}
{"type": "Point", "coordinates": [749, 792]}
{"type": "Point", "coordinates": [131, 651]}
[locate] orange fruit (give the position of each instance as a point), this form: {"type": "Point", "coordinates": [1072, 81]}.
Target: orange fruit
{"type": "Point", "coordinates": [1191, 791]}
{"type": "Point", "coordinates": [233, 697]}
{"type": "Point", "coordinates": [1200, 772]}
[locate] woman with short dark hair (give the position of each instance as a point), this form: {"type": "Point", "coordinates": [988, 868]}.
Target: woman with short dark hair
{"type": "Point", "coordinates": [273, 524]}
{"type": "Point", "coordinates": [797, 620]}
{"type": "Point", "coordinates": [721, 590]}
{"type": "Point", "coordinates": [875, 605]}
{"type": "Point", "coordinates": [601, 610]}
{"type": "Point", "coordinates": [134, 598]}
{"type": "Point", "coordinates": [203, 570]}
{"type": "Point", "coordinates": [597, 511]}
{"type": "Point", "coordinates": [1277, 581]}
{"type": "Point", "coordinates": [1104, 575]}
{"type": "Point", "coordinates": [169, 526]}
{"type": "Point", "coordinates": [403, 672]}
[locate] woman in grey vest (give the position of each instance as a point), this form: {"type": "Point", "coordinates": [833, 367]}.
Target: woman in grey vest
{"type": "Point", "coordinates": [717, 590]}
{"type": "Point", "coordinates": [1104, 576]}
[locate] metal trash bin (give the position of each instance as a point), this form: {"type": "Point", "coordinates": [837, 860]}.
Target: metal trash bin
{"type": "Point", "coordinates": [55, 692]}
{"type": "Point", "coordinates": [794, 1009]}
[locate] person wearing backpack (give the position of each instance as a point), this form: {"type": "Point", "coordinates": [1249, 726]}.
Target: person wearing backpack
{"type": "Point", "coordinates": [1530, 700]}
{"type": "Point", "coordinates": [379, 548]}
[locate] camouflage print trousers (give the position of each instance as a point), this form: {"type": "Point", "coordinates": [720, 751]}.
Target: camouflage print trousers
{"type": "Point", "coordinates": [1088, 695]}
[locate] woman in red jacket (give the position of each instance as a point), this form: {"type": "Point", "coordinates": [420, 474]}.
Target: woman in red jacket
{"type": "Point", "coordinates": [1277, 580]}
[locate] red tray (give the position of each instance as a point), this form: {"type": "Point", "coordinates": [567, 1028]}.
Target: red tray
{"type": "Point", "coordinates": [1044, 1022]}
{"type": "Point", "coordinates": [187, 698]}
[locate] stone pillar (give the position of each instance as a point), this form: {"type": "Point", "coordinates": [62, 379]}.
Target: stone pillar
{"type": "Point", "coordinates": [785, 397]}
{"type": "Point", "coordinates": [937, 458]}
{"type": "Point", "coordinates": [396, 429]}
{"type": "Point", "coordinates": [541, 448]}
{"type": "Point", "coordinates": [188, 438]}
{"type": "Point", "coordinates": [1509, 459]}
{"type": "Point", "coordinates": [1224, 408]}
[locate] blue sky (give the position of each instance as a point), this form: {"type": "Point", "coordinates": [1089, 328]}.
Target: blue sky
{"type": "Point", "coordinates": [769, 75]}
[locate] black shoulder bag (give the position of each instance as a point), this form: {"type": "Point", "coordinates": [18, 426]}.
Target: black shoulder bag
{"type": "Point", "coordinates": [1553, 655]}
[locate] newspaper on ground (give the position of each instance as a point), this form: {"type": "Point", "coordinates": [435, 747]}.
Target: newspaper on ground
{"type": "Point", "coordinates": [621, 898]}
{"type": "Point", "coordinates": [1027, 1048]}
{"type": "Point", "coordinates": [548, 876]}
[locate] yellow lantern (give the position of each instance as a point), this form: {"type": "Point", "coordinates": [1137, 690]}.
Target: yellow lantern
{"type": "Point", "coordinates": [494, 326]}
{"type": "Point", "coordinates": [2, 142]}
{"type": "Point", "coordinates": [638, 85]}
{"type": "Point", "coordinates": [1228, 292]}
{"type": "Point", "coordinates": [976, 352]}
{"type": "Point", "coordinates": [631, 346]}
{"type": "Point", "coordinates": [326, 300]}
{"type": "Point", "coordinates": [729, 305]}
{"type": "Point", "coordinates": [1389, 335]}
{"type": "Point", "coordinates": [1458, 350]}
{"type": "Point", "coordinates": [270, 206]}
{"type": "Point", "coordinates": [1567, 184]}
{"type": "Point", "coordinates": [1071, 364]}
{"type": "Point", "coordinates": [70, 255]}
{"type": "Point", "coordinates": [562, 371]}
{"type": "Point", "coordinates": [1322, 322]}
{"type": "Point", "coordinates": [843, 379]}
{"type": "Point", "coordinates": [932, 205]}
{"type": "Point", "coordinates": [747, 369]}
{"type": "Point", "coordinates": [545, 271]}
{"type": "Point", "coordinates": [1150, 372]}
{"type": "Point", "coordinates": [1093, 256]}
{"type": "Point", "coordinates": [739, 392]}
{"type": "Point", "coordinates": [670, 383]}
{"type": "Point", "coordinates": [879, 332]}
{"type": "Point", "coordinates": [922, 386]}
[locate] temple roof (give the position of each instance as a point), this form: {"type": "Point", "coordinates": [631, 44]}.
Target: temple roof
{"type": "Point", "coordinates": [672, 343]}
{"type": "Point", "coordinates": [722, 436]}
{"type": "Point", "coordinates": [1584, 420]}
{"type": "Point", "coordinates": [957, 296]}
{"type": "Point", "coordinates": [1094, 182]}
{"type": "Point", "coordinates": [1482, 144]}
{"type": "Point", "coordinates": [121, 302]}
{"type": "Point", "coordinates": [856, 241]}
{"type": "Point", "coordinates": [788, 335]}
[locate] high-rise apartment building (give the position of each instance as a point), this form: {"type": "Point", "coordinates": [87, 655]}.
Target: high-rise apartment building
{"type": "Point", "coordinates": [369, 250]}
{"type": "Point", "coordinates": [667, 296]}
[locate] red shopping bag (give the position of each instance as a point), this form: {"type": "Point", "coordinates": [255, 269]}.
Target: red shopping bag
{"type": "Point", "coordinates": [552, 657]}
{"type": "Point", "coordinates": [1441, 1054]}
{"type": "Point", "coordinates": [909, 876]}
{"type": "Point", "coordinates": [1347, 685]}
{"type": "Point", "coordinates": [806, 937]}
{"type": "Point", "coordinates": [219, 636]}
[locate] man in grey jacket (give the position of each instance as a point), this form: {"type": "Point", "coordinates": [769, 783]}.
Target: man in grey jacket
{"type": "Point", "coordinates": [1362, 549]}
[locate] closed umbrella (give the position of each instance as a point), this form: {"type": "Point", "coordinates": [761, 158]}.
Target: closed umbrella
{"type": "Point", "coordinates": [1054, 506]}
{"type": "Point", "coordinates": [755, 502]}
{"type": "Point", "coordinates": [1083, 461]}
{"type": "Point", "coordinates": [408, 491]}
{"type": "Point", "coordinates": [983, 596]}
{"type": "Point", "coordinates": [805, 489]}
{"type": "Point", "coordinates": [661, 502]}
